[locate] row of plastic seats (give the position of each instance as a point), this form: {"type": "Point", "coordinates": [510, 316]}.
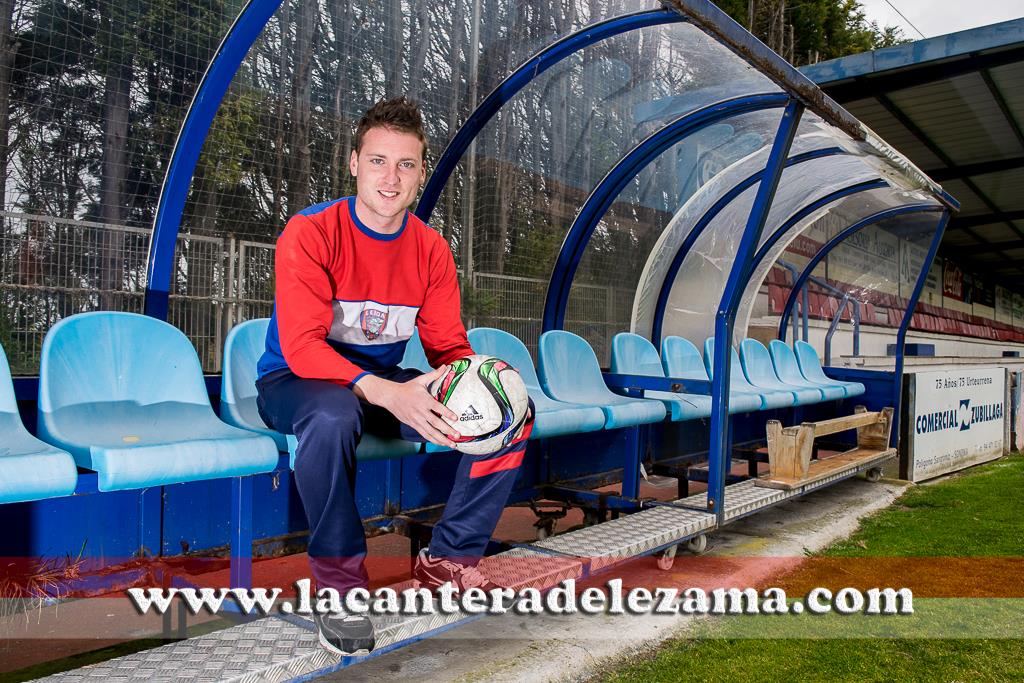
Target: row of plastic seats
{"type": "Point", "coordinates": [122, 395]}
{"type": "Point", "coordinates": [556, 414]}
{"type": "Point", "coordinates": [138, 413]}
{"type": "Point", "coordinates": [759, 379]}
{"type": "Point", "coordinates": [569, 393]}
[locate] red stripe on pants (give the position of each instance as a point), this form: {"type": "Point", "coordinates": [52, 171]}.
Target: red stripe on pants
{"type": "Point", "coordinates": [509, 461]}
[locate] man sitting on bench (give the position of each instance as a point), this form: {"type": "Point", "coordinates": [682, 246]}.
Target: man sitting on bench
{"type": "Point", "coordinates": [355, 277]}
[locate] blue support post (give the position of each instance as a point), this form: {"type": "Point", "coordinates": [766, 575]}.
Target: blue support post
{"type": "Point", "coordinates": [856, 328]}
{"type": "Point", "coordinates": [631, 463]}
{"type": "Point", "coordinates": [214, 84]}
{"type": "Point", "coordinates": [901, 336]}
{"type": "Point", "coordinates": [719, 453]}
{"type": "Point", "coordinates": [518, 79]}
{"type": "Point", "coordinates": [241, 532]}
{"type": "Point", "coordinates": [601, 199]}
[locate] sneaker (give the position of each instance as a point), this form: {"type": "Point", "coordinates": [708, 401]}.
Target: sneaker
{"type": "Point", "coordinates": [345, 634]}
{"type": "Point", "coordinates": [433, 572]}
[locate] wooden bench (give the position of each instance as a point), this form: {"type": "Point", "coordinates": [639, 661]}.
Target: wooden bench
{"type": "Point", "coordinates": [790, 448]}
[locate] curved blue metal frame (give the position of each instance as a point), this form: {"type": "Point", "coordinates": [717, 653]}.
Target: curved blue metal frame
{"type": "Point", "coordinates": [863, 186]}
{"type": "Point", "coordinates": [518, 79]}
{"type": "Point", "coordinates": [832, 243]}
{"type": "Point", "coordinates": [901, 336]}
{"type": "Point", "coordinates": [720, 446]}
{"type": "Point", "coordinates": [705, 220]}
{"type": "Point", "coordinates": [602, 197]}
{"type": "Point", "coordinates": [222, 69]}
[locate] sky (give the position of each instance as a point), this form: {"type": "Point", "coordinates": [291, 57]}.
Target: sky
{"type": "Point", "coordinates": [939, 17]}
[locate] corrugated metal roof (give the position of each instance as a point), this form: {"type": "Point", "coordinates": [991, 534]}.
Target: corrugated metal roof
{"type": "Point", "coordinates": [955, 106]}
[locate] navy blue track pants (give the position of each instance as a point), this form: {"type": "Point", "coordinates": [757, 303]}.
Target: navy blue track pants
{"type": "Point", "coordinates": [328, 421]}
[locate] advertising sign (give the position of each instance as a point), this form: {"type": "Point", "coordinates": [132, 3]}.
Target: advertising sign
{"type": "Point", "coordinates": [952, 281]}
{"type": "Point", "coordinates": [958, 418]}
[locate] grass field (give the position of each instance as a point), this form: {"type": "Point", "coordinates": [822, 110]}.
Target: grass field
{"type": "Point", "coordinates": [970, 520]}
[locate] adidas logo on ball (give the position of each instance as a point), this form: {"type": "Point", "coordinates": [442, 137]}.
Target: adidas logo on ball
{"type": "Point", "coordinates": [470, 415]}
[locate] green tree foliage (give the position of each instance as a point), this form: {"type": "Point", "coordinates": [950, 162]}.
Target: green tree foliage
{"type": "Point", "coordinates": [822, 29]}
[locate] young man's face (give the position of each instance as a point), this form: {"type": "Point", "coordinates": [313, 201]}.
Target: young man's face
{"type": "Point", "coordinates": [389, 170]}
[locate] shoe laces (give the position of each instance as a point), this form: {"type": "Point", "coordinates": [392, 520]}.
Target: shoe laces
{"type": "Point", "coordinates": [469, 576]}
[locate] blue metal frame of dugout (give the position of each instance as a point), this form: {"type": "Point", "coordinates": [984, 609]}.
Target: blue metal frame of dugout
{"type": "Point", "coordinates": [421, 487]}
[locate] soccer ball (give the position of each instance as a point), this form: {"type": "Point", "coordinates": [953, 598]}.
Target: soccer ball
{"type": "Point", "coordinates": [490, 399]}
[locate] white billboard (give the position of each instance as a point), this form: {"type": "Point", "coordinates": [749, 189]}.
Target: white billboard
{"type": "Point", "coordinates": [958, 418]}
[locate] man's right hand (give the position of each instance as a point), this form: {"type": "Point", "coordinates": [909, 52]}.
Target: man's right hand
{"type": "Point", "coordinates": [412, 403]}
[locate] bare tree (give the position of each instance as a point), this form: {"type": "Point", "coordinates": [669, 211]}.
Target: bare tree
{"type": "Point", "coordinates": [300, 166]}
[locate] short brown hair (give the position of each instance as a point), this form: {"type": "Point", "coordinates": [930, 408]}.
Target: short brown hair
{"type": "Point", "coordinates": [399, 114]}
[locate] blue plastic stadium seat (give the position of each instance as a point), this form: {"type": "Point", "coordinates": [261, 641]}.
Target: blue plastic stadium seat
{"type": "Point", "coordinates": [758, 367]}
{"type": "Point", "coordinates": [125, 395]}
{"type": "Point", "coordinates": [680, 358]}
{"type": "Point", "coordinates": [569, 372]}
{"type": "Point", "coordinates": [29, 468]}
{"type": "Point", "coordinates": [415, 357]}
{"type": "Point", "coordinates": [242, 350]}
{"type": "Point", "coordinates": [553, 418]}
{"type": "Point", "coordinates": [788, 371]}
{"type": "Point", "coordinates": [810, 366]}
{"type": "Point", "coordinates": [738, 381]}
{"type": "Point", "coordinates": [635, 355]}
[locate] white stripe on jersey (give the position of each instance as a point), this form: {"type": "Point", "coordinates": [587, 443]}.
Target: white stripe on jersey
{"type": "Point", "coordinates": [368, 323]}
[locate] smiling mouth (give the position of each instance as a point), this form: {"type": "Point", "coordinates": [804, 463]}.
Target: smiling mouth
{"type": "Point", "coordinates": [387, 195]}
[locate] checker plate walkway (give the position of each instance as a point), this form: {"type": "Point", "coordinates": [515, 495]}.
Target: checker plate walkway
{"type": "Point", "coordinates": [276, 649]}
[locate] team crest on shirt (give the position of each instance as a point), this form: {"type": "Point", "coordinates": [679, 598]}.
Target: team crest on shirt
{"type": "Point", "coordinates": [372, 322]}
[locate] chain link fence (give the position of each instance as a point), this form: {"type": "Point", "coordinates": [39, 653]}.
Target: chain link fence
{"type": "Point", "coordinates": [51, 268]}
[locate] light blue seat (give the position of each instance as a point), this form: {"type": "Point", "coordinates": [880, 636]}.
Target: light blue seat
{"type": "Point", "coordinates": [635, 355]}
{"type": "Point", "coordinates": [29, 468]}
{"type": "Point", "coordinates": [416, 357]}
{"type": "Point", "coordinates": [680, 358]}
{"type": "Point", "coordinates": [569, 372]}
{"type": "Point", "coordinates": [758, 367]}
{"type": "Point", "coordinates": [553, 418]}
{"type": "Point", "coordinates": [242, 350]}
{"type": "Point", "coordinates": [125, 395]}
{"type": "Point", "coordinates": [810, 366]}
{"type": "Point", "coordinates": [770, 398]}
{"type": "Point", "coordinates": [788, 371]}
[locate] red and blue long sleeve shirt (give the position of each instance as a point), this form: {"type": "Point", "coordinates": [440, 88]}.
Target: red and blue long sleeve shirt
{"type": "Point", "coordinates": [348, 298]}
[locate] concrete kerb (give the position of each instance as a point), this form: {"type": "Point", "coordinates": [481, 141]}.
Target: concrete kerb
{"type": "Point", "coordinates": [577, 647]}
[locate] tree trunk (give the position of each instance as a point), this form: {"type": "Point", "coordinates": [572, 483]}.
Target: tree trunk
{"type": "Point", "coordinates": [394, 48]}
{"type": "Point", "coordinates": [114, 164]}
{"type": "Point", "coordinates": [455, 96]}
{"type": "Point", "coordinates": [277, 182]}
{"type": "Point", "coordinates": [7, 53]}
{"type": "Point", "coordinates": [421, 41]}
{"type": "Point", "coordinates": [341, 145]}
{"type": "Point", "coordinates": [300, 168]}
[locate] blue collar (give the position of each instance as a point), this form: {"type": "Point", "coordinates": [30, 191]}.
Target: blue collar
{"type": "Point", "coordinates": [370, 232]}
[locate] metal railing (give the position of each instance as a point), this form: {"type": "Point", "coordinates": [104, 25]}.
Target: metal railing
{"type": "Point", "coordinates": [51, 268]}
{"type": "Point", "coordinates": [847, 298]}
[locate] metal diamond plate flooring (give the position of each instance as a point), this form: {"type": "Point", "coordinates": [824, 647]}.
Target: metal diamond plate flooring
{"type": "Point", "coordinates": [630, 535]}
{"type": "Point", "coordinates": [743, 498]}
{"type": "Point", "coordinates": [273, 649]}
